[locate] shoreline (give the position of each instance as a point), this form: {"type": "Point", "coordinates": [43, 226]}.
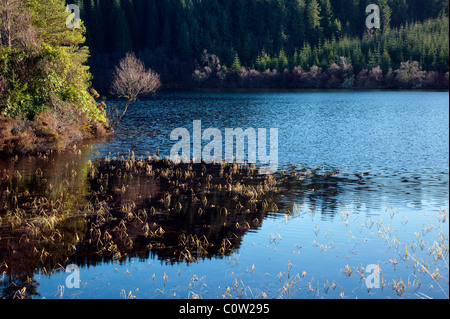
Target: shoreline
{"type": "Point", "coordinates": [19, 137]}
{"type": "Point", "coordinates": [296, 90]}
{"type": "Point", "coordinates": [42, 134]}
{"type": "Point", "coordinates": [168, 90]}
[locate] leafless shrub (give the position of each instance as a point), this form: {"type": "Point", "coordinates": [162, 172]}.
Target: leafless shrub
{"type": "Point", "coordinates": [370, 79]}
{"type": "Point", "coordinates": [376, 75]}
{"type": "Point", "coordinates": [314, 77]}
{"type": "Point", "coordinates": [298, 71]}
{"type": "Point", "coordinates": [334, 76]}
{"type": "Point", "coordinates": [131, 80]}
{"type": "Point", "coordinates": [339, 72]}
{"type": "Point", "coordinates": [410, 74]}
{"type": "Point", "coordinates": [210, 71]}
{"type": "Point", "coordinates": [431, 79]}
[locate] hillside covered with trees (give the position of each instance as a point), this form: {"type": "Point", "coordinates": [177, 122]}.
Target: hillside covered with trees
{"type": "Point", "coordinates": [272, 43]}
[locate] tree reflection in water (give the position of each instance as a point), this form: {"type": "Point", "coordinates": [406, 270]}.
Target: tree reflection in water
{"type": "Point", "coordinates": [56, 211]}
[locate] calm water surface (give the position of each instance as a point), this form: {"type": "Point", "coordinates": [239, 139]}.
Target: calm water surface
{"type": "Point", "coordinates": [398, 140]}
{"type": "Point", "coordinates": [387, 205]}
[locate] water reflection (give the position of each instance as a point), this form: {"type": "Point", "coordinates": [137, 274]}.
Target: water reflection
{"type": "Point", "coordinates": [55, 212]}
{"type": "Point", "coordinates": [62, 208]}
{"type": "Point", "coordinates": [89, 206]}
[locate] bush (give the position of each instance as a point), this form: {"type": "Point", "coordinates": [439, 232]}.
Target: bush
{"type": "Point", "coordinates": [45, 132]}
{"type": "Point", "coordinates": [210, 72]}
{"type": "Point", "coordinates": [410, 74]}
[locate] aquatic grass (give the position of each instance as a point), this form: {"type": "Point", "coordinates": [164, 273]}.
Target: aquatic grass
{"type": "Point", "coordinates": [126, 214]}
{"type": "Point", "coordinates": [433, 275]}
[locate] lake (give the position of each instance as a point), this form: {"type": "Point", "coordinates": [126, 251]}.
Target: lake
{"type": "Point", "coordinates": [361, 209]}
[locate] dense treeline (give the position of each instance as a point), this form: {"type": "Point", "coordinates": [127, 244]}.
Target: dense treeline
{"type": "Point", "coordinates": [171, 35]}
{"type": "Point", "coordinates": [45, 97]}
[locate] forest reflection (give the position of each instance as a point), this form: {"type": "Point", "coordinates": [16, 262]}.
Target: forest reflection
{"type": "Point", "coordinates": [59, 209]}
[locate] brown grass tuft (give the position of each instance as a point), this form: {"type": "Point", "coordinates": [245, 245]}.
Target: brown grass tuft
{"type": "Point", "coordinates": [46, 132]}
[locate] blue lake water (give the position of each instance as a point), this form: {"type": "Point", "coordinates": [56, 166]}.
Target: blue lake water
{"type": "Point", "coordinates": [376, 131]}
{"type": "Point", "coordinates": [388, 205]}
{"type": "Point", "coordinates": [399, 140]}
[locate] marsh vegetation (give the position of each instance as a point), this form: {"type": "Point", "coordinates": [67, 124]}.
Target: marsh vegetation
{"type": "Point", "coordinates": [122, 210]}
{"type": "Point", "coordinates": [366, 194]}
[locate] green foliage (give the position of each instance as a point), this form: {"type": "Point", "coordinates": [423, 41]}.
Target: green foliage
{"type": "Point", "coordinates": [427, 42]}
{"type": "Point", "coordinates": [314, 18]}
{"type": "Point", "coordinates": [52, 75]}
{"type": "Point", "coordinates": [308, 32]}
{"type": "Point", "coordinates": [236, 66]}
{"type": "Point", "coordinates": [49, 16]}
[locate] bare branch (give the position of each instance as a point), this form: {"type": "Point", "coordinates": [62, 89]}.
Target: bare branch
{"type": "Point", "coordinates": [132, 79]}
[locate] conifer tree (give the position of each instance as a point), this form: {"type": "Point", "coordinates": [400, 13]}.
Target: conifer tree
{"type": "Point", "coordinates": [236, 66]}
{"type": "Point", "coordinates": [385, 61]}
{"type": "Point", "coordinates": [121, 37]}
{"type": "Point", "coordinates": [314, 21]}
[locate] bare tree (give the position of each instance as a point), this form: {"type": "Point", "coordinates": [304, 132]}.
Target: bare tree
{"type": "Point", "coordinates": [410, 74]}
{"type": "Point", "coordinates": [131, 80]}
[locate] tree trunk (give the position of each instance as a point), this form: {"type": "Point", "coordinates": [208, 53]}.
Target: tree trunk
{"type": "Point", "coordinates": [121, 116]}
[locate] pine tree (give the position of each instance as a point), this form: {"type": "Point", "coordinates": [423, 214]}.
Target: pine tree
{"type": "Point", "coordinates": [121, 40]}
{"type": "Point", "coordinates": [152, 25]}
{"type": "Point", "coordinates": [329, 19]}
{"type": "Point", "coordinates": [314, 21]}
{"type": "Point", "coordinates": [183, 41]}
{"type": "Point", "coordinates": [386, 13]}
{"type": "Point", "coordinates": [236, 66]}
{"type": "Point", "coordinates": [167, 32]}
{"type": "Point", "coordinates": [246, 52]}
{"type": "Point", "coordinates": [283, 61]}
{"type": "Point", "coordinates": [96, 22]}
{"type": "Point", "coordinates": [47, 18]}
{"type": "Point", "coordinates": [297, 25]}
{"type": "Point", "coordinates": [132, 22]}
{"type": "Point", "coordinates": [168, 11]}
{"type": "Point", "coordinates": [385, 61]}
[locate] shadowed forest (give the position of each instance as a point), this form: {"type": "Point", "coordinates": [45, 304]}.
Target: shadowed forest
{"type": "Point", "coordinates": [272, 43]}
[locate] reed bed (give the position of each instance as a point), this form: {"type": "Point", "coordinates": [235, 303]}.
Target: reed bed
{"type": "Point", "coordinates": [124, 207]}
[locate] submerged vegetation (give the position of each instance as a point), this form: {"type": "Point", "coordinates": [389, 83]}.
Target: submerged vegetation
{"type": "Point", "coordinates": [118, 209]}
{"type": "Point", "coordinates": [54, 213]}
